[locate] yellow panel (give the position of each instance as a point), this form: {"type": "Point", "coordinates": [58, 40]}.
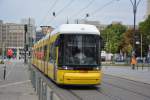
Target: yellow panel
{"type": "Point", "coordinates": [42, 66]}
{"type": "Point", "coordinates": [79, 78]}
{"type": "Point", "coordinates": [50, 70]}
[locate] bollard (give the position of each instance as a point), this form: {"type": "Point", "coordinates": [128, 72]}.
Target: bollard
{"type": "Point", "coordinates": [142, 66]}
{"type": "Point", "coordinates": [142, 63]}
{"type": "Point", "coordinates": [4, 76]}
{"type": "Point", "coordinates": [148, 66]}
{"type": "Point", "coordinates": [51, 95]}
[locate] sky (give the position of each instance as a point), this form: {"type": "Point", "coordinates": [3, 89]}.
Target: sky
{"type": "Point", "coordinates": [104, 11]}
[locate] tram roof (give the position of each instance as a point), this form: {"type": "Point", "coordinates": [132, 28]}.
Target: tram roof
{"type": "Point", "coordinates": [76, 28]}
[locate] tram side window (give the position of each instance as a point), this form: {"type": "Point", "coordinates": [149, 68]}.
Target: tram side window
{"type": "Point", "coordinates": [40, 49]}
{"type": "Point", "coordinates": [52, 53]}
{"type": "Point", "coordinates": [42, 53]}
{"type": "Point", "coordinates": [36, 50]}
{"type": "Point", "coordinates": [45, 52]}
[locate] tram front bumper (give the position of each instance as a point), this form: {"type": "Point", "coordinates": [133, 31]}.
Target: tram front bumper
{"type": "Point", "coordinates": [82, 78]}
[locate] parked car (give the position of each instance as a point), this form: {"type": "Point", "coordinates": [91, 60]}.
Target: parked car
{"type": "Point", "coordinates": [142, 60]}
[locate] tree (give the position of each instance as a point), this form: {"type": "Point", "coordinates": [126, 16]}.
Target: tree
{"type": "Point", "coordinates": [126, 44]}
{"type": "Point", "coordinates": [112, 36]}
{"type": "Point", "coordinates": [144, 28]}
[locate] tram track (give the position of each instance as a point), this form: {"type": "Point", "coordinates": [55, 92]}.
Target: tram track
{"type": "Point", "coordinates": [88, 93]}
{"type": "Point", "coordinates": [101, 92]}
{"type": "Point", "coordinates": [129, 90]}
{"type": "Point", "coordinates": [132, 86]}
{"type": "Point", "coordinates": [96, 94]}
{"type": "Point", "coordinates": [73, 93]}
{"type": "Point", "coordinates": [112, 88]}
{"type": "Point", "coordinates": [109, 95]}
{"type": "Point", "coordinates": [135, 83]}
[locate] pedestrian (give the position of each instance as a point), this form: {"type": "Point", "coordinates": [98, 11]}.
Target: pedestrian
{"type": "Point", "coordinates": [133, 62]}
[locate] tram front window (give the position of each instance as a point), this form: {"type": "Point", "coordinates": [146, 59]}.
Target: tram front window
{"type": "Point", "coordinates": [81, 50]}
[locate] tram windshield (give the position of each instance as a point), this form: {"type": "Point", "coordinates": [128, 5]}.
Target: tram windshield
{"type": "Point", "coordinates": [80, 50]}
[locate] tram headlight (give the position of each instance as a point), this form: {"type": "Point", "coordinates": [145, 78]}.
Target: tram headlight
{"type": "Point", "coordinates": [66, 68]}
{"type": "Point", "coordinates": [97, 68]}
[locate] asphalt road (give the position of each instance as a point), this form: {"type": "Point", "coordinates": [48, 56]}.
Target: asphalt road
{"type": "Point", "coordinates": [112, 88]}
{"type": "Point", "coordinates": [16, 87]}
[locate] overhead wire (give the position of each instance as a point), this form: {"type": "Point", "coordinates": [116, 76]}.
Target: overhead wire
{"type": "Point", "coordinates": [49, 10]}
{"type": "Point", "coordinates": [101, 8]}
{"type": "Point", "coordinates": [82, 9]}
{"type": "Point", "coordinates": [95, 11]}
{"type": "Point", "coordinates": [61, 10]}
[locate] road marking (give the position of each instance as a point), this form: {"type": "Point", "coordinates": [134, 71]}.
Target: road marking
{"type": "Point", "coordinates": [16, 83]}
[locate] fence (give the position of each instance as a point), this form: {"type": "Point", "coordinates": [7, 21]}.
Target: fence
{"type": "Point", "coordinates": [42, 85]}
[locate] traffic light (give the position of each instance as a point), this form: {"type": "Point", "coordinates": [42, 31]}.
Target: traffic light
{"type": "Point", "coordinates": [87, 15]}
{"type": "Point", "coordinates": [54, 14]}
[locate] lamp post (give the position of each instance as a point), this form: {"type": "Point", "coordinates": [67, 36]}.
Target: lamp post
{"type": "Point", "coordinates": [135, 4]}
{"type": "Point", "coordinates": [3, 51]}
{"type": "Point", "coordinates": [25, 44]}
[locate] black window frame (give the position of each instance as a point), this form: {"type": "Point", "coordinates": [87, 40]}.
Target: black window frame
{"type": "Point", "coordinates": [61, 54]}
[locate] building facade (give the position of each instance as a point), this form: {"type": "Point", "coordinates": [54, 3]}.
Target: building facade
{"type": "Point", "coordinates": [12, 37]}
{"type": "Point", "coordinates": [44, 30]}
{"type": "Point", "coordinates": [1, 25]}
{"type": "Point", "coordinates": [31, 30]}
{"type": "Point", "coordinates": [39, 35]}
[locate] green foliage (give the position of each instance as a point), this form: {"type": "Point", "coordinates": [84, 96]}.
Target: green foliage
{"type": "Point", "coordinates": [126, 44]}
{"type": "Point", "coordinates": [117, 38]}
{"type": "Point", "coordinates": [144, 28]}
{"type": "Point", "coordinates": [112, 36]}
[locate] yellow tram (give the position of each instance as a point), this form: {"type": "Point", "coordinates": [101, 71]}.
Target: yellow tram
{"type": "Point", "coordinates": [70, 55]}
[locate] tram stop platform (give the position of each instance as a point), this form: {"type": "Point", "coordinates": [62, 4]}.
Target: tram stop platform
{"type": "Point", "coordinates": [17, 85]}
{"type": "Point", "coordinates": [140, 74]}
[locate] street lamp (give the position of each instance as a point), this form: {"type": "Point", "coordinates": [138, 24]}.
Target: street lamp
{"type": "Point", "coordinates": [135, 4]}
{"type": "Point", "coordinates": [25, 44]}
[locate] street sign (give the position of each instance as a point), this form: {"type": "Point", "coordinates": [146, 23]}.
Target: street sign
{"type": "Point", "coordinates": [10, 52]}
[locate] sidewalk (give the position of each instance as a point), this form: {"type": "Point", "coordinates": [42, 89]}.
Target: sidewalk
{"type": "Point", "coordinates": [141, 75]}
{"type": "Point", "coordinates": [17, 85]}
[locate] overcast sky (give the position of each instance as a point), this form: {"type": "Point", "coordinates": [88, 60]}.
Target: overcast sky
{"type": "Point", "coordinates": [104, 11]}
